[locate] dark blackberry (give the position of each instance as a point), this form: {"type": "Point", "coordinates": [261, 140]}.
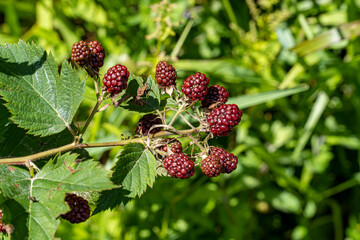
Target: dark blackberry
{"type": "Point", "coordinates": [215, 94]}
{"type": "Point", "coordinates": [146, 122]}
{"type": "Point", "coordinates": [97, 54]}
{"type": "Point", "coordinates": [228, 160]}
{"type": "Point", "coordinates": [165, 74]}
{"type": "Point", "coordinates": [211, 166]}
{"type": "Point", "coordinates": [79, 209]}
{"type": "Point", "coordinates": [222, 119]}
{"type": "Point", "coordinates": [195, 86]}
{"type": "Point", "coordinates": [175, 146]}
{"type": "Point", "coordinates": [178, 165]}
{"type": "Point", "coordinates": [80, 53]}
{"type": "Point", "coordinates": [116, 79]}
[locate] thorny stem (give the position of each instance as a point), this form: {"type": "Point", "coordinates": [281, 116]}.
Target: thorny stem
{"type": "Point", "coordinates": [177, 113]}
{"type": "Point", "coordinates": [77, 145]}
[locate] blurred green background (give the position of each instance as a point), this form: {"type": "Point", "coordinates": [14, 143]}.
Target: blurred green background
{"type": "Point", "coordinates": [299, 156]}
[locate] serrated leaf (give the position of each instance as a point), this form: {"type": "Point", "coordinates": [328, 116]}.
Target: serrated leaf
{"type": "Point", "coordinates": [134, 83]}
{"type": "Point", "coordinates": [42, 196]}
{"type": "Point", "coordinates": [251, 100]}
{"type": "Point", "coordinates": [110, 199]}
{"type": "Point", "coordinates": [4, 120]}
{"type": "Point", "coordinates": [39, 100]}
{"type": "Point", "coordinates": [135, 169]}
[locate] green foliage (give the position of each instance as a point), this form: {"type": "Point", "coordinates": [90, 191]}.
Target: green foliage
{"type": "Point", "coordinates": [41, 197]}
{"type": "Point", "coordinates": [49, 101]}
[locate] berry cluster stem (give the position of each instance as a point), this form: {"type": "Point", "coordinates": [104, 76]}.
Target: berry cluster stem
{"type": "Point", "coordinates": [77, 145]}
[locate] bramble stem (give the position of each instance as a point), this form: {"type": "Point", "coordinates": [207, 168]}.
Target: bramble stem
{"type": "Point", "coordinates": [177, 113]}
{"type": "Point", "coordinates": [77, 145]}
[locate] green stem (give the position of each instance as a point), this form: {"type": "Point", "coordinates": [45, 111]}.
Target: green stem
{"type": "Point", "coordinates": [177, 113]}
{"type": "Point", "coordinates": [181, 40]}
{"type": "Point", "coordinates": [75, 145]}
{"type": "Point", "coordinates": [340, 188]}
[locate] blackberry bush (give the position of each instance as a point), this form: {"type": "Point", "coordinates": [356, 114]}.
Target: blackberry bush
{"type": "Point", "coordinates": [215, 94]}
{"type": "Point", "coordinates": [227, 160]}
{"type": "Point", "coordinates": [223, 119]}
{"type": "Point", "coordinates": [165, 74]}
{"type": "Point", "coordinates": [79, 209]}
{"type": "Point", "coordinates": [211, 166]}
{"type": "Point", "coordinates": [97, 54]}
{"type": "Point", "coordinates": [145, 124]}
{"type": "Point", "coordinates": [174, 146]}
{"type": "Point", "coordinates": [80, 53]}
{"type": "Point", "coordinates": [178, 165]}
{"type": "Point", "coordinates": [195, 86]}
{"type": "Point", "coordinates": [116, 78]}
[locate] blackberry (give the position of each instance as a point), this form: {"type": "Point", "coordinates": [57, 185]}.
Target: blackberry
{"type": "Point", "coordinates": [178, 165]}
{"type": "Point", "coordinates": [222, 119]}
{"type": "Point", "coordinates": [228, 160]}
{"type": "Point", "coordinates": [211, 166]}
{"type": "Point", "coordinates": [97, 54]}
{"type": "Point", "coordinates": [165, 74]}
{"type": "Point", "coordinates": [175, 146]}
{"type": "Point", "coordinates": [3, 228]}
{"type": "Point", "coordinates": [80, 53]}
{"type": "Point", "coordinates": [195, 86]}
{"type": "Point", "coordinates": [215, 94]}
{"type": "Point", "coordinates": [116, 79]}
{"type": "Point", "coordinates": [146, 122]}
{"type": "Point", "coordinates": [79, 209]}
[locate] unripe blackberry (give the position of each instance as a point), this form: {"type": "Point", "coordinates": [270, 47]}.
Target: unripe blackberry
{"type": "Point", "coordinates": [215, 94]}
{"type": "Point", "coordinates": [165, 74]}
{"type": "Point", "coordinates": [195, 86]}
{"type": "Point", "coordinates": [79, 209]}
{"type": "Point", "coordinates": [222, 119]}
{"type": "Point", "coordinates": [116, 79]}
{"type": "Point", "coordinates": [175, 146]}
{"type": "Point", "coordinates": [228, 160]}
{"type": "Point", "coordinates": [146, 122]}
{"type": "Point", "coordinates": [178, 165]}
{"type": "Point", "coordinates": [80, 53]}
{"type": "Point", "coordinates": [97, 54]}
{"type": "Point", "coordinates": [211, 166]}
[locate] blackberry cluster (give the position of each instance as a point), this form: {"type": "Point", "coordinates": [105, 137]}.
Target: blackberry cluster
{"type": "Point", "coordinates": [97, 55]}
{"type": "Point", "coordinates": [174, 146]}
{"type": "Point", "coordinates": [2, 226]}
{"type": "Point", "coordinates": [227, 160]}
{"type": "Point", "coordinates": [215, 94]}
{"type": "Point", "coordinates": [178, 165]}
{"type": "Point", "coordinates": [165, 74]}
{"type": "Point", "coordinates": [195, 86]}
{"type": "Point", "coordinates": [79, 209]}
{"type": "Point", "coordinates": [116, 78]}
{"type": "Point", "coordinates": [80, 53]}
{"type": "Point", "coordinates": [222, 119]}
{"type": "Point", "coordinates": [211, 166]}
{"type": "Point", "coordinates": [146, 122]}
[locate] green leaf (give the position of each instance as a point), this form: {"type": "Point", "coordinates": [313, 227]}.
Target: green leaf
{"type": "Point", "coordinates": [110, 199]}
{"type": "Point", "coordinates": [251, 100]}
{"type": "Point", "coordinates": [135, 169]}
{"type": "Point", "coordinates": [42, 196]}
{"type": "Point", "coordinates": [38, 99]}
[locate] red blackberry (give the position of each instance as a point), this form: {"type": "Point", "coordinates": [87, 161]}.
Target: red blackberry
{"type": "Point", "coordinates": [178, 165]}
{"type": "Point", "coordinates": [215, 94]}
{"type": "Point", "coordinates": [195, 86]}
{"type": "Point", "coordinates": [146, 122]}
{"type": "Point", "coordinates": [175, 146]}
{"type": "Point", "coordinates": [165, 74]}
{"type": "Point", "coordinates": [3, 228]}
{"type": "Point", "coordinates": [79, 209]}
{"type": "Point", "coordinates": [222, 119]}
{"type": "Point", "coordinates": [116, 79]}
{"type": "Point", "coordinates": [97, 54]}
{"type": "Point", "coordinates": [227, 160]}
{"type": "Point", "coordinates": [211, 166]}
{"type": "Point", "coordinates": [80, 53]}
